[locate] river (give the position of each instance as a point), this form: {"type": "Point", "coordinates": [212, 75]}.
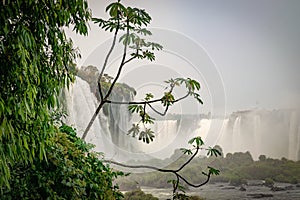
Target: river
{"type": "Point", "coordinates": [223, 191]}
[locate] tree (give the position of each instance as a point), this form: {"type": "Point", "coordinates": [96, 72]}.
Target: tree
{"type": "Point", "coordinates": [35, 60]}
{"type": "Point", "coordinates": [133, 23]}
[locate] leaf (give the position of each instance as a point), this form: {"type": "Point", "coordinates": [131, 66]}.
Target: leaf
{"type": "Point", "coordinates": [147, 135]}
{"type": "Point", "coordinates": [149, 96]}
{"type": "Point", "coordinates": [198, 140]}
{"type": "Point", "coordinates": [213, 152]}
{"type": "Point", "coordinates": [186, 151]}
{"type": "Point", "coordinates": [197, 97]}
{"type": "Point", "coordinates": [167, 99]}
{"type": "Point", "coordinates": [135, 108]}
{"type": "Point", "coordinates": [213, 171]}
{"type": "Point", "coordinates": [135, 129]}
{"type": "Point", "coordinates": [143, 31]}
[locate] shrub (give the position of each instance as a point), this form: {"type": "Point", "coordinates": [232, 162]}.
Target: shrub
{"type": "Point", "coordinates": [138, 195]}
{"type": "Point", "coordinates": [72, 171]}
{"type": "Point", "coordinates": [269, 182]}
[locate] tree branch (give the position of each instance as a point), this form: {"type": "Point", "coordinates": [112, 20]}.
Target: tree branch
{"type": "Point", "coordinates": [92, 120]}
{"type": "Point", "coordinates": [121, 65]}
{"type": "Point", "coordinates": [187, 162]}
{"type": "Point", "coordinates": [144, 102]}
{"type": "Point", "coordinates": [193, 185]}
{"type": "Point", "coordinates": [175, 172]}
{"type": "Point", "coordinates": [106, 59]}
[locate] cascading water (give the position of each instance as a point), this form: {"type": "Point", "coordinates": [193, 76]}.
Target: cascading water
{"type": "Point", "coordinates": [81, 104]}
{"type": "Point", "coordinates": [272, 133]}
{"type": "Point", "coordinates": [294, 136]}
{"type": "Point", "coordinates": [165, 136]}
{"type": "Point", "coordinates": [236, 134]}
{"type": "Point", "coordinates": [257, 134]}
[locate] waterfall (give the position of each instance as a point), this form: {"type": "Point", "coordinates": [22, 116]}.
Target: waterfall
{"type": "Point", "coordinates": [166, 134]}
{"type": "Point", "coordinates": [236, 134]}
{"type": "Point", "coordinates": [294, 136]}
{"type": "Point", "coordinates": [257, 134]}
{"type": "Point", "coordinates": [273, 133]}
{"type": "Point", "coordinates": [81, 105]}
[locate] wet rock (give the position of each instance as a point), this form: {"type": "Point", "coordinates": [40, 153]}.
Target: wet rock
{"type": "Point", "coordinates": [260, 195]}
{"type": "Point", "coordinates": [228, 188]}
{"type": "Point", "coordinates": [289, 187]}
{"type": "Point", "coordinates": [242, 188]}
{"type": "Point", "coordinates": [276, 189]}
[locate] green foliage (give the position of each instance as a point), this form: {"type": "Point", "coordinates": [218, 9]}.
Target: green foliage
{"type": "Point", "coordinates": [197, 140]}
{"type": "Point", "coordinates": [138, 195]}
{"type": "Point", "coordinates": [73, 171]}
{"type": "Point", "coordinates": [167, 100]}
{"type": "Point", "coordinates": [133, 21]}
{"type": "Point", "coordinates": [185, 197]}
{"type": "Point", "coordinates": [146, 135]}
{"type": "Point", "coordinates": [269, 182]}
{"type": "Point", "coordinates": [236, 168]}
{"type": "Point", "coordinates": [35, 56]}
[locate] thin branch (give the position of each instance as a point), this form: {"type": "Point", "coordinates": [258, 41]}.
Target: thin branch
{"type": "Point", "coordinates": [107, 57]}
{"type": "Point", "coordinates": [130, 59]}
{"type": "Point", "coordinates": [144, 112]}
{"type": "Point", "coordinates": [177, 183]}
{"type": "Point", "coordinates": [187, 162]}
{"type": "Point", "coordinates": [160, 113]}
{"type": "Point", "coordinates": [121, 65]}
{"type": "Point", "coordinates": [176, 172]}
{"type": "Point", "coordinates": [99, 84]}
{"type": "Point", "coordinates": [92, 120]}
{"type": "Point", "coordinates": [144, 102]}
{"type": "Point", "coordinates": [193, 185]}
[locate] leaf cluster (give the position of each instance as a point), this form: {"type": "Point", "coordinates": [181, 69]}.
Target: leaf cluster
{"type": "Point", "coordinates": [35, 57]}
{"type": "Point", "coordinates": [168, 99]}
{"type": "Point", "coordinates": [72, 171]}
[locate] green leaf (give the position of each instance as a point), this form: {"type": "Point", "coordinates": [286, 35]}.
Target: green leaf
{"type": "Point", "coordinates": [135, 108]}
{"type": "Point", "coordinates": [146, 135]}
{"type": "Point", "coordinates": [186, 151]}
{"type": "Point", "coordinates": [213, 152]}
{"type": "Point", "coordinates": [134, 131]}
{"type": "Point", "coordinates": [197, 140]}
{"type": "Point", "coordinates": [149, 96]}
{"type": "Point", "coordinates": [213, 171]}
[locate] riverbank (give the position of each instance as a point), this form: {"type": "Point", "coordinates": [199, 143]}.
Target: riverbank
{"type": "Point", "coordinates": [223, 191]}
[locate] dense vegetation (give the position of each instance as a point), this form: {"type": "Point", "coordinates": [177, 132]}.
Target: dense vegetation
{"type": "Point", "coordinates": [72, 171]}
{"type": "Point", "coordinates": [138, 195]}
{"type": "Point", "coordinates": [38, 158]}
{"type": "Point", "coordinates": [235, 168]}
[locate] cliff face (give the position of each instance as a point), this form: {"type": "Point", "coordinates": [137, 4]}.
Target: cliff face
{"type": "Point", "coordinates": [118, 116]}
{"type": "Point", "coordinates": [121, 91]}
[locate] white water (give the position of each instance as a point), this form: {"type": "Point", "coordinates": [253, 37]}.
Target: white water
{"type": "Point", "coordinates": [272, 133]}
{"type": "Point", "coordinates": [81, 104]}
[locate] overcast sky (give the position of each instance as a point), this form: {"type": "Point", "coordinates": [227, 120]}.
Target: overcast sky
{"type": "Point", "coordinates": [254, 45]}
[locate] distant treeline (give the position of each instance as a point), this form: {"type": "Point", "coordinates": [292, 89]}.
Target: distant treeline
{"type": "Point", "coordinates": [235, 168]}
